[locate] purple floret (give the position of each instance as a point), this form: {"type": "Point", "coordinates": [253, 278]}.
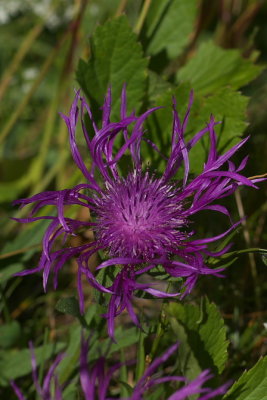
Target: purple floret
{"type": "Point", "coordinates": [50, 388]}
{"type": "Point", "coordinates": [96, 379]}
{"type": "Point", "coordinates": [139, 219]}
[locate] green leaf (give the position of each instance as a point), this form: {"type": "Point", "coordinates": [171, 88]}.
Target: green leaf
{"type": "Point", "coordinates": [252, 385]}
{"type": "Point", "coordinates": [69, 305]}
{"type": "Point", "coordinates": [8, 272]}
{"type": "Point", "coordinates": [157, 86]}
{"type": "Point", "coordinates": [226, 105]}
{"type": "Point", "coordinates": [169, 26]}
{"type": "Point", "coordinates": [213, 67]}
{"type": "Point", "coordinates": [124, 338]}
{"type": "Point", "coordinates": [9, 333]}
{"type": "Point", "coordinates": [117, 58]}
{"type": "Point", "coordinates": [14, 364]}
{"type": "Point", "coordinates": [159, 124]}
{"type": "Point", "coordinates": [69, 363]}
{"type": "Point", "coordinates": [202, 333]}
{"type": "Point", "coordinates": [28, 237]}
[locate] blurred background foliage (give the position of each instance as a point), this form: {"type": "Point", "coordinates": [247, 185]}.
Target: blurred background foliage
{"type": "Point", "coordinates": [48, 48]}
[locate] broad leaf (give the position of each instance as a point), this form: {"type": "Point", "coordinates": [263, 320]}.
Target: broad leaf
{"type": "Point", "coordinates": [213, 67]}
{"type": "Point", "coordinates": [226, 105]}
{"type": "Point", "coordinates": [229, 108]}
{"type": "Point", "coordinates": [116, 58]}
{"type": "Point", "coordinates": [169, 26]}
{"type": "Point", "coordinates": [14, 364]}
{"type": "Point", "coordinates": [69, 305]}
{"type": "Point", "coordinates": [202, 333]}
{"type": "Point", "coordinates": [10, 334]}
{"type": "Point", "coordinates": [252, 385]}
{"type": "Point", "coordinates": [28, 238]}
{"type": "Point", "coordinates": [8, 272]}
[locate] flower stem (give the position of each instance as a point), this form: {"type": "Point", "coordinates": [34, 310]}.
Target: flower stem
{"type": "Point", "coordinates": [5, 306]}
{"type": "Point", "coordinates": [121, 8]}
{"type": "Point", "coordinates": [142, 16]}
{"type": "Point", "coordinates": [159, 333]}
{"type": "Point", "coordinates": [140, 364]}
{"type": "Point", "coordinates": [39, 79]}
{"type": "Point", "coordinates": [253, 267]}
{"type": "Point", "coordinates": [19, 56]}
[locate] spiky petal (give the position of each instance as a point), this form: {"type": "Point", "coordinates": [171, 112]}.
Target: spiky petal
{"type": "Point", "coordinates": [139, 219]}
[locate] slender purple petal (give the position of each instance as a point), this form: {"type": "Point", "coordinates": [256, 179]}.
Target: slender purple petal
{"type": "Point", "coordinates": [17, 391]}
{"type": "Point", "coordinates": [139, 219]}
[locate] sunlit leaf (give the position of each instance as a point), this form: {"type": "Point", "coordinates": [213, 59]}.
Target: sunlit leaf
{"type": "Point", "coordinates": [116, 58]}
{"type": "Point", "coordinates": [212, 67]}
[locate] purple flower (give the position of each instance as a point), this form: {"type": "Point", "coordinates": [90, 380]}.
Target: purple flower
{"type": "Point", "coordinates": [141, 220]}
{"type": "Point", "coordinates": [50, 389]}
{"type": "Point", "coordinates": [95, 380]}
{"type": "Point", "coordinates": [194, 387]}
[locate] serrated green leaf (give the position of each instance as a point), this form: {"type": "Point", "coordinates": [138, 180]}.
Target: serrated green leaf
{"type": "Point", "coordinates": [202, 334]}
{"type": "Point", "coordinates": [213, 67]}
{"type": "Point", "coordinates": [169, 25]}
{"type": "Point", "coordinates": [213, 333]}
{"type": "Point", "coordinates": [226, 105]}
{"type": "Point", "coordinates": [117, 58]}
{"type": "Point", "coordinates": [252, 385]}
{"type": "Point", "coordinates": [159, 124]}
{"type": "Point", "coordinates": [157, 85]}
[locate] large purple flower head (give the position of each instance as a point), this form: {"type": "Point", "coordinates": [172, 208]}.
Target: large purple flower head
{"type": "Point", "coordinates": [140, 219]}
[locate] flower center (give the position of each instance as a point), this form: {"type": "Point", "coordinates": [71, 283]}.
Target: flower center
{"type": "Point", "coordinates": [139, 217]}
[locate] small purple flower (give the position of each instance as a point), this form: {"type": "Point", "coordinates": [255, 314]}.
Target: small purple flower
{"type": "Point", "coordinates": [50, 389]}
{"type": "Point", "coordinates": [141, 220]}
{"type": "Point", "coordinates": [95, 380]}
{"type": "Point", "coordinates": [194, 387]}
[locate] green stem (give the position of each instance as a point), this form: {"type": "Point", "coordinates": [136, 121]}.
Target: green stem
{"type": "Point", "coordinates": [140, 362]}
{"type": "Point", "coordinates": [41, 370]}
{"type": "Point", "coordinates": [123, 375]}
{"type": "Point", "coordinates": [159, 333]}
{"type": "Point", "coordinates": [142, 16]}
{"type": "Point", "coordinates": [45, 144]}
{"type": "Point", "coordinates": [21, 107]}
{"type": "Point", "coordinates": [5, 306]}
{"type": "Point", "coordinates": [121, 8]}
{"type": "Point", "coordinates": [19, 56]}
